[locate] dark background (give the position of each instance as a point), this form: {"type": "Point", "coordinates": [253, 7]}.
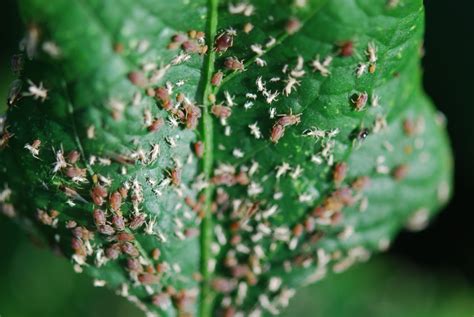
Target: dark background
{"type": "Point", "coordinates": [437, 265]}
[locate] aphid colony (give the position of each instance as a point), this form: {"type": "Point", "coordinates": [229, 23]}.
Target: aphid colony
{"type": "Point", "coordinates": [245, 233]}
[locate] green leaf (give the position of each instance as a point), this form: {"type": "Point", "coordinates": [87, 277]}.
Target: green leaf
{"type": "Point", "coordinates": [330, 149]}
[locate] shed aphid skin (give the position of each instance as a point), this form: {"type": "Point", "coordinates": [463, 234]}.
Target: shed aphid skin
{"type": "Point", "coordinates": [36, 91]}
{"type": "Point", "coordinates": [255, 130]}
{"type": "Point", "coordinates": [243, 8]}
{"type": "Point", "coordinates": [322, 67]}
{"type": "Point", "coordinates": [361, 69]}
{"type": "Point", "coordinates": [34, 148]}
{"type": "Point", "coordinates": [290, 86]}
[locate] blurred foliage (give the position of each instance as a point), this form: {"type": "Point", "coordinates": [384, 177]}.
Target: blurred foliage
{"type": "Point", "coordinates": [384, 287]}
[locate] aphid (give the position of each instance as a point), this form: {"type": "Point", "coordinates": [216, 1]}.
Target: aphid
{"type": "Point", "coordinates": [134, 265]}
{"type": "Point", "coordinates": [137, 221]}
{"type": "Point", "coordinates": [14, 92]}
{"type": "Point", "coordinates": [78, 247]}
{"type": "Point", "coordinates": [288, 120]}
{"type": "Point", "coordinates": [138, 79]}
{"type": "Point", "coordinates": [346, 48]}
{"type": "Point", "coordinates": [37, 92]}
{"type": "Point", "coordinates": [291, 84]}
{"type": "Point", "coordinates": [130, 249]}
{"type": "Point", "coordinates": [73, 157]}
{"type": "Point", "coordinates": [361, 183]}
{"type": "Point", "coordinates": [199, 149]}
{"type": "Point", "coordinates": [176, 176]}
{"type": "Point", "coordinates": [361, 69]}
{"type": "Point", "coordinates": [409, 127]}
{"type": "Point", "coordinates": [118, 222]}
{"type": "Point", "coordinates": [155, 254]}
{"type": "Point", "coordinates": [233, 63]}
{"type": "Point", "coordinates": [190, 46]}
{"type": "Point", "coordinates": [224, 41]}
{"type": "Point", "coordinates": [17, 63]}
{"type": "Point", "coordinates": [221, 112]}
{"type": "Point", "coordinates": [192, 115]}
{"type": "Point", "coordinates": [98, 193]}
{"type": "Point", "coordinates": [217, 78]}
{"type": "Point", "coordinates": [248, 27]}
{"type": "Point", "coordinates": [156, 125]}
{"type": "Point", "coordinates": [125, 236]}
{"type": "Point", "coordinates": [106, 230]}
{"type": "Point", "coordinates": [400, 172]}
{"type": "Point", "coordinates": [277, 133]}
{"type": "Point", "coordinates": [339, 173]}
{"type": "Point", "coordinates": [362, 134]}
{"type": "Point", "coordinates": [34, 148]}
{"type": "Point", "coordinates": [115, 201]}
{"type": "Point", "coordinates": [76, 173]}
{"type": "Point", "coordinates": [148, 278]}
{"type": "Point", "coordinates": [360, 100]}
{"type": "Point", "coordinates": [113, 251]}
{"type": "Point", "coordinates": [292, 25]}
{"type": "Point", "coordinates": [30, 42]}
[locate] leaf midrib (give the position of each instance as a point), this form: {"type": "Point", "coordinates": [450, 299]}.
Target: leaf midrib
{"type": "Point", "coordinates": [206, 298]}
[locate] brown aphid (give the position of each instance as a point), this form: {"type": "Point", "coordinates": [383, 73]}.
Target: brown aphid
{"type": "Point", "coordinates": [163, 96]}
{"type": "Point", "coordinates": [361, 183]}
{"type": "Point", "coordinates": [298, 230]}
{"type": "Point", "coordinates": [176, 176]}
{"type": "Point", "coordinates": [113, 251]}
{"type": "Point", "coordinates": [115, 201]}
{"type": "Point", "coordinates": [73, 157]}
{"type": "Point", "coordinates": [155, 254]}
{"type": "Point", "coordinates": [360, 100]}
{"type": "Point", "coordinates": [222, 112]}
{"type": "Point", "coordinates": [192, 113]}
{"type": "Point", "coordinates": [99, 217]}
{"type": "Point", "coordinates": [106, 230]}
{"type": "Point", "coordinates": [223, 42]}
{"type": "Point", "coordinates": [137, 221]}
{"type": "Point", "coordinates": [224, 179]}
{"type": "Point", "coordinates": [309, 224]}
{"type": "Point", "coordinates": [409, 127]}
{"type": "Point", "coordinates": [344, 196]}
{"type": "Point", "coordinates": [161, 268]}
{"type": "Point", "coordinates": [288, 120]}
{"type": "Point", "coordinates": [400, 172]}
{"type": "Point", "coordinates": [148, 278]}
{"type": "Point", "coordinates": [277, 133]}
{"type": "Point", "coordinates": [75, 172]}
{"type": "Point", "coordinates": [233, 63]}
{"type": "Point", "coordinates": [223, 285]}
{"type": "Point", "coordinates": [346, 48]}
{"type": "Point", "coordinates": [242, 178]}
{"type": "Point", "coordinates": [190, 47]}
{"type": "Point", "coordinates": [138, 79]}
{"type": "Point", "coordinates": [78, 247]}
{"type": "Point", "coordinates": [77, 232]}
{"type": "Point", "coordinates": [134, 265]}
{"type": "Point", "coordinates": [98, 193]}
{"type": "Point", "coordinates": [217, 78]}
{"type": "Point", "coordinates": [292, 25]}
{"type": "Point", "coordinates": [130, 249]}
{"type": "Point", "coordinates": [4, 138]}
{"type": "Point", "coordinates": [119, 48]}
{"type": "Point", "coordinates": [125, 236]}
{"type": "Point", "coordinates": [156, 125]}
{"type": "Point", "coordinates": [124, 192]}
{"type": "Point", "coordinates": [199, 149]}
{"type": "Point", "coordinates": [118, 222]}
{"type": "Point", "coordinates": [339, 173]}
{"type": "Point", "coordinates": [161, 300]}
